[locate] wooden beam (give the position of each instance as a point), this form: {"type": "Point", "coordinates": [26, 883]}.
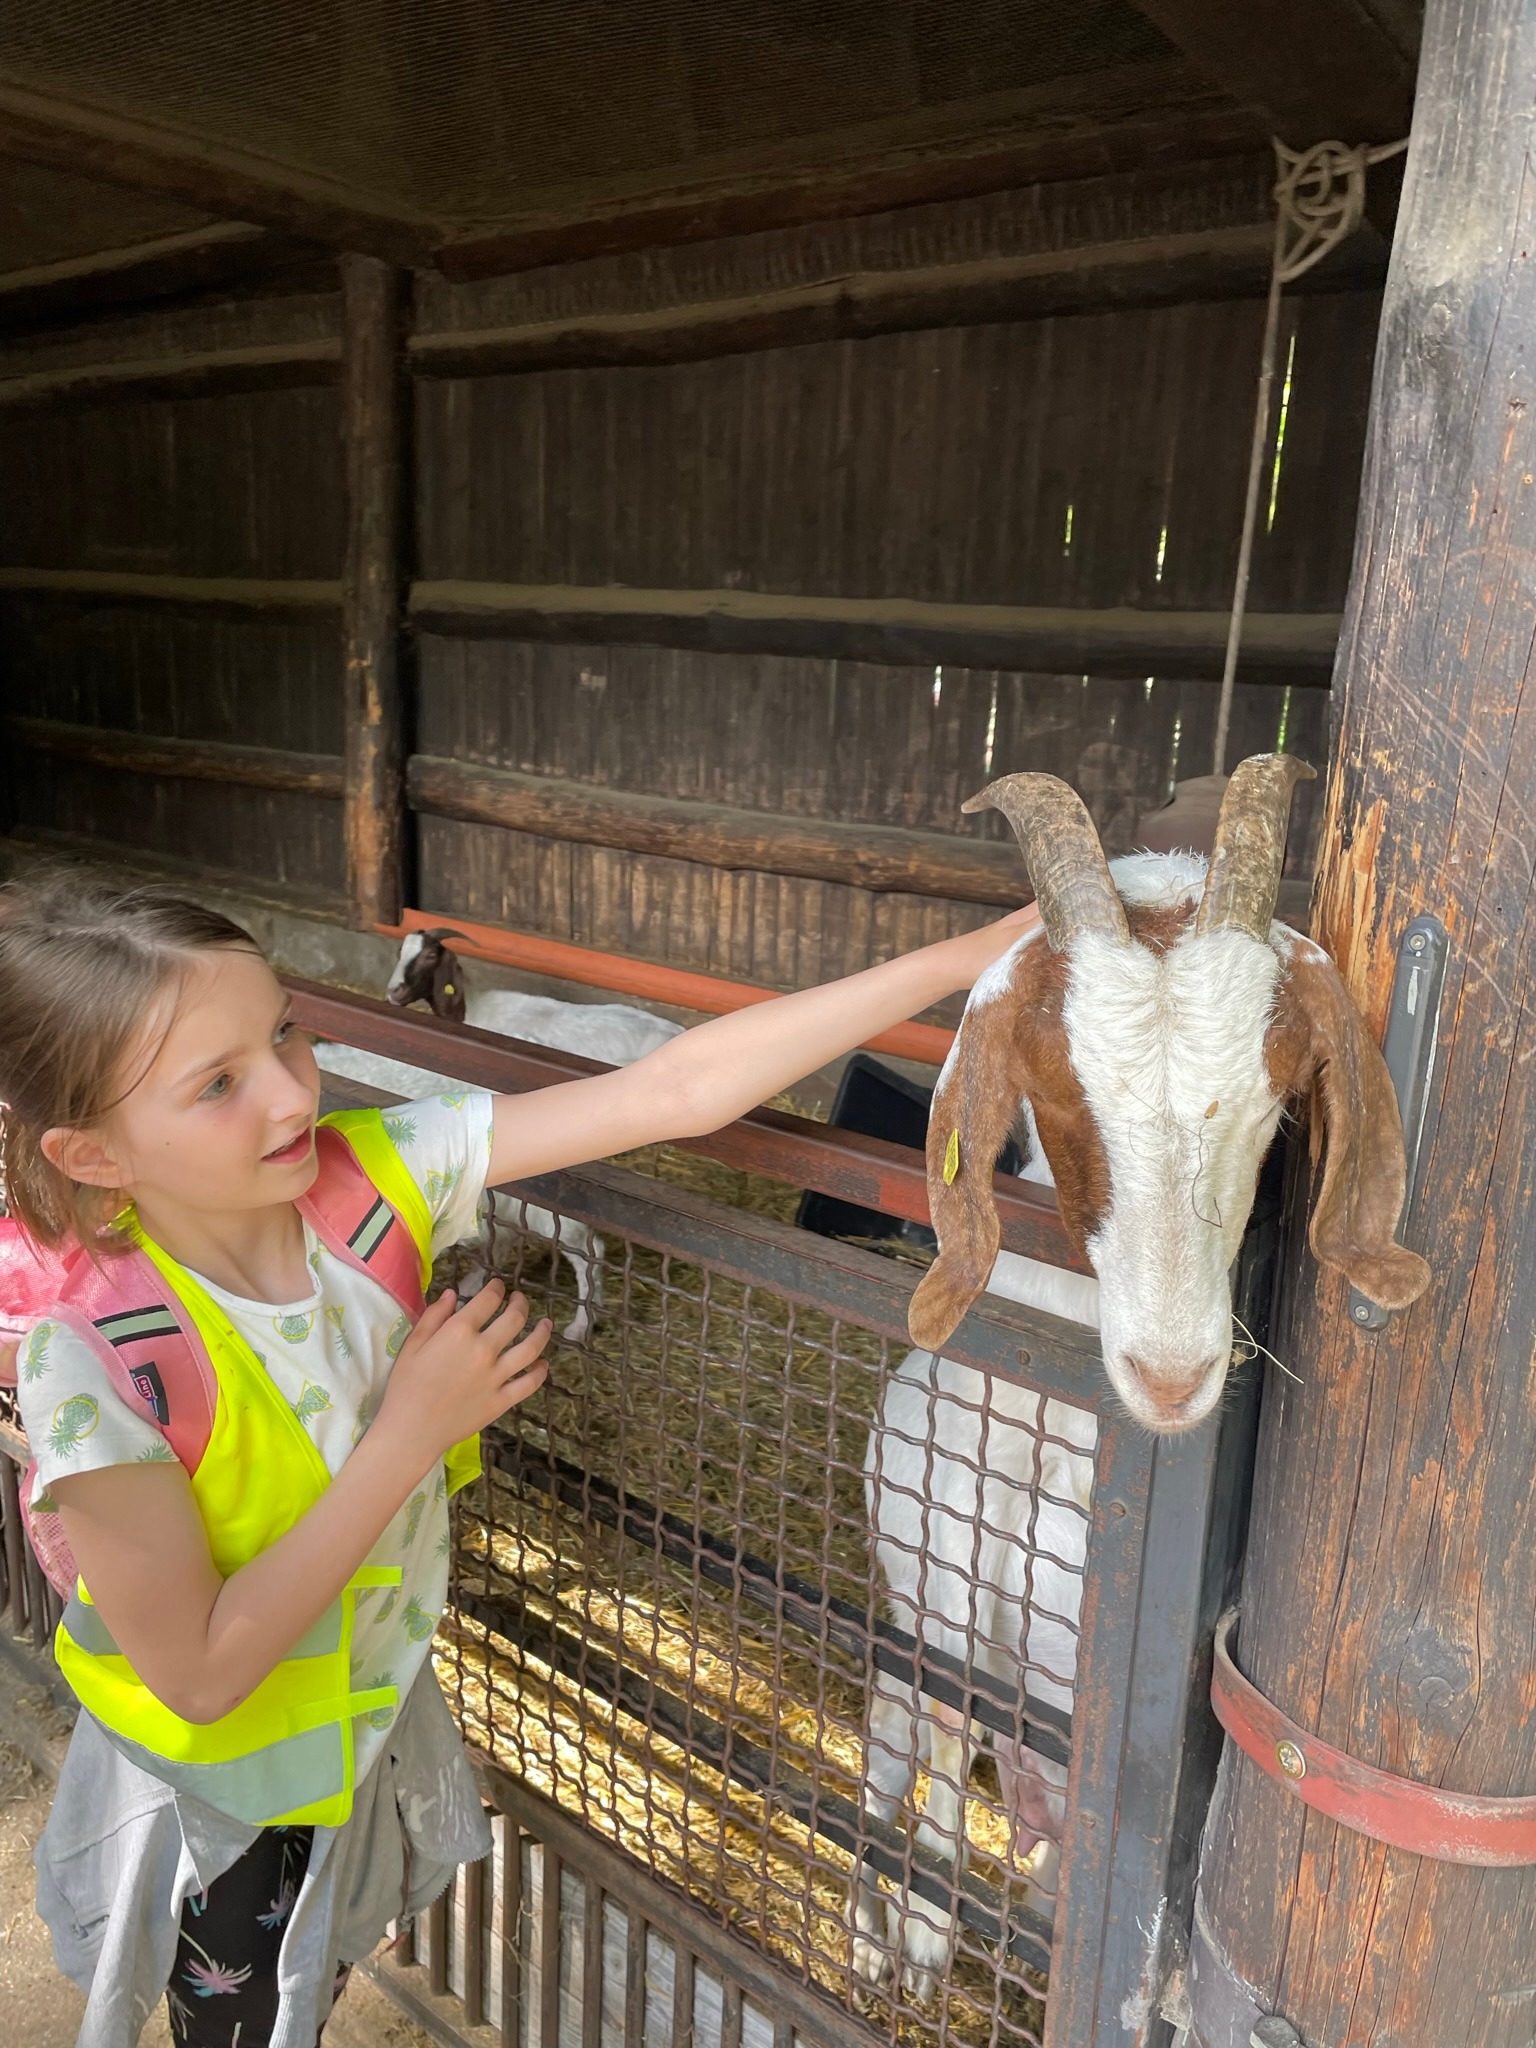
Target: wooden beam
{"type": "Point", "coordinates": [216, 593]}
{"type": "Point", "coordinates": [217, 257]}
{"type": "Point", "coordinates": [1314, 69]}
{"type": "Point", "coordinates": [1391, 1574]}
{"type": "Point", "coordinates": [1209, 263]}
{"type": "Point", "coordinates": [273, 366]}
{"type": "Point", "coordinates": [374, 430]}
{"type": "Point", "coordinates": [879, 857]}
{"type": "Point", "coordinates": [139, 753]}
{"type": "Point", "coordinates": [1277, 646]}
{"type": "Point", "coordinates": [43, 128]}
{"type": "Point", "coordinates": [1084, 129]}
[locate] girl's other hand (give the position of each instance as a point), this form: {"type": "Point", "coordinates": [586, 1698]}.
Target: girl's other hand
{"type": "Point", "coordinates": [456, 1373]}
{"type": "Point", "coordinates": [990, 942]}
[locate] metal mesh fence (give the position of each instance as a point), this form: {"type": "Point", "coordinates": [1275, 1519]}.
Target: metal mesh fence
{"type": "Point", "coordinates": [788, 1615]}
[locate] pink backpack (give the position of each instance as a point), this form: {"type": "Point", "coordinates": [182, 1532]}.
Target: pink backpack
{"type": "Point", "coordinates": [128, 1314]}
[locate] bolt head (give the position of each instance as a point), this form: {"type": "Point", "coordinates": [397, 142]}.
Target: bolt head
{"type": "Point", "coordinates": [1290, 1760]}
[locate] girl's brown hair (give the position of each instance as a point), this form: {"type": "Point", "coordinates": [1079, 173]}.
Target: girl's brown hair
{"type": "Point", "coordinates": [82, 967]}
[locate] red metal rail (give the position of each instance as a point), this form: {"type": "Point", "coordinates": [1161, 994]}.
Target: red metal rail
{"type": "Point", "coordinates": [792, 1149]}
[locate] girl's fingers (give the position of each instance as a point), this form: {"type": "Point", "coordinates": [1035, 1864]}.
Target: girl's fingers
{"type": "Point", "coordinates": [483, 1307]}
{"type": "Point", "coordinates": [436, 1313]}
{"type": "Point", "coordinates": [518, 1357]}
{"type": "Point", "coordinates": [505, 1328]}
{"type": "Point", "coordinates": [522, 1384]}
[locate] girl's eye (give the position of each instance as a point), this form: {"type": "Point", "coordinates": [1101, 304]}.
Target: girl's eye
{"type": "Point", "coordinates": [284, 1031]}
{"type": "Point", "coordinates": [217, 1088]}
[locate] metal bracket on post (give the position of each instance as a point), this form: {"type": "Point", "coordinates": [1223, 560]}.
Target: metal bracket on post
{"type": "Point", "coordinates": [1274, 2032]}
{"type": "Point", "coordinates": [1413, 1027]}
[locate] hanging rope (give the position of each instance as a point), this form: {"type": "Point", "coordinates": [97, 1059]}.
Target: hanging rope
{"type": "Point", "coordinates": [1319, 202]}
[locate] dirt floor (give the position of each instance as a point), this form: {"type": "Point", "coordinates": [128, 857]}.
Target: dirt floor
{"type": "Point", "coordinates": [38, 2007]}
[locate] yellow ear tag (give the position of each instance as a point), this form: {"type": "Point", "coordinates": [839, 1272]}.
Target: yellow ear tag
{"type": "Point", "coordinates": [447, 988]}
{"type": "Point", "coordinates": [951, 1158]}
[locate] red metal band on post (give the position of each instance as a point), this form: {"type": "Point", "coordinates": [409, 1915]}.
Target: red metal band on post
{"type": "Point", "coordinates": [1450, 1827]}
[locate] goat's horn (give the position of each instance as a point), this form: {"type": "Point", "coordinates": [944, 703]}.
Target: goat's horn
{"type": "Point", "coordinates": [442, 931]}
{"type": "Point", "coordinates": [1061, 849]}
{"type": "Point", "coordinates": [1243, 881]}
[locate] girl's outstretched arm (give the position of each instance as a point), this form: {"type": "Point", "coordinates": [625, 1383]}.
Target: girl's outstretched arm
{"type": "Point", "coordinates": [202, 1643]}
{"type": "Point", "coordinates": [720, 1070]}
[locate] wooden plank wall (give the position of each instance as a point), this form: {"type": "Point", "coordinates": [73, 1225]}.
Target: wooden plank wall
{"type": "Point", "coordinates": [1086, 458]}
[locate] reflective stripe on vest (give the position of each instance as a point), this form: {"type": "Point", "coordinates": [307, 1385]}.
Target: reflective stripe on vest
{"type": "Point", "coordinates": [285, 1755]}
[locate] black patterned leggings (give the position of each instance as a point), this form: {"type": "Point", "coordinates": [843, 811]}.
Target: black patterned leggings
{"type": "Point", "coordinates": [223, 1988]}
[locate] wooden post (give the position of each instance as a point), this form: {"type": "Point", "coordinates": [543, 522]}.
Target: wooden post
{"type": "Point", "coordinates": [375, 434]}
{"type": "Point", "coordinates": [1391, 1578]}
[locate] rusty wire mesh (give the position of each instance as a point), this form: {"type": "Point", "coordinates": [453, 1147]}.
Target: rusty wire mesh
{"type": "Point", "coordinates": [668, 1615]}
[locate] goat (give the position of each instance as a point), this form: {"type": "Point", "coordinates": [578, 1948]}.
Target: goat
{"type": "Point", "coordinates": [428, 971]}
{"type": "Point", "coordinates": [1158, 1027]}
{"type": "Point", "coordinates": [1152, 1042]}
{"type": "Point", "coordinates": [978, 1498]}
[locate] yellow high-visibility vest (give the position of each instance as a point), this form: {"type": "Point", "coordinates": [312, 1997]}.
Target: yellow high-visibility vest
{"type": "Point", "coordinates": [284, 1756]}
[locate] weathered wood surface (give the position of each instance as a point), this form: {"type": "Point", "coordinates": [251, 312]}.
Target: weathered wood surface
{"type": "Point", "coordinates": [221, 255]}
{"type": "Point", "coordinates": [1298, 646]}
{"type": "Point", "coordinates": [374, 424]}
{"type": "Point", "coordinates": [1155, 270]}
{"type": "Point", "coordinates": [227, 180]}
{"type": "Point", "coordinates": [938, 466]}
{"type": "Point", "coordinates": [275, 367]}
{"type": "Point", "coordinates": [1311, 68]}
{"type": "Point", "coordinates": [138, 753]}
{"type": "Point", "coordinates": [1391, 1581]}
{"type": "Point", "coordinates": [878, 857]}
{"type": "Point", "coordinates": [1136, 114]}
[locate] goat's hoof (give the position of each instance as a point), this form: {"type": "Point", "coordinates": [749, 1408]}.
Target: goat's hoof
{"type": "Point", "coordinates": [871, 1958]}
{"type": "Point", "coordinates": [925, 1957]}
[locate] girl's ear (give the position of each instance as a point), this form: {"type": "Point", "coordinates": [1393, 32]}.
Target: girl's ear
{"type": "Point", "coordinates": [82, 1156]}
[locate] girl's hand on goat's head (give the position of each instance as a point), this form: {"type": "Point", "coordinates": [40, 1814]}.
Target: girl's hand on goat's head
{"type": "Point", "coordinates": [456, 1373]}
{"type": "Point", "coordinates": [976, 951]}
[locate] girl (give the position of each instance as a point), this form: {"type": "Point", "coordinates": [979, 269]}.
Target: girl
{"type": "Point", "coordinates": [266, 1772]}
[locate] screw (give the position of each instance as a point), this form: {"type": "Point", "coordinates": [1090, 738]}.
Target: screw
{"type": "Point", "coordinates": [1290, 1760]}
{"type": "Point", "coordinates": [1417, 943]}
{"type": "Point", "coordinates": [1362, 1313]}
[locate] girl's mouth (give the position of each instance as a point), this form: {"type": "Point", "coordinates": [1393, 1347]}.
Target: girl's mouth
{"type": "Point", "coordinates": [294, 1153]}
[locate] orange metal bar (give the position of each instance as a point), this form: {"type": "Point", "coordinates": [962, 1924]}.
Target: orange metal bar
{"type": "Point", "coordinates": [644, 978]}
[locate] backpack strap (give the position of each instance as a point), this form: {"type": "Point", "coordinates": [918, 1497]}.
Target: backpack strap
{"type": "Point", "coordinates": [128, 1313]}
{"type": "Point", "coordinates": [365, 1207]}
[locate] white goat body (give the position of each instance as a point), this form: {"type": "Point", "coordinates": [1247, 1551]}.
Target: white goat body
{"type": "Point", "coordinates": [612, 1032]}
{"type": "Point", "coordinates": [978, 1493]}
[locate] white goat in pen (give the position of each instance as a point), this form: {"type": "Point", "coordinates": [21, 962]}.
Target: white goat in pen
{"type": "Point", "coordinates": [1153, 1035]}
{"type": "Point", "coordinates": [427, 970]}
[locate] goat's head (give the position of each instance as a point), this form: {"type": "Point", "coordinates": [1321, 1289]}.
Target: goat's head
{"type": "Point", "coordinates": [428, 972]}
{"type": "Point", "coordinates": [1157, 1031]}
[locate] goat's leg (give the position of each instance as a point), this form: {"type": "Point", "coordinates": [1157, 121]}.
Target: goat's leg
{"type": "Point", "coordinates": [890, 1765]}
{"type": "Point", "coordinates": [583, 1251]}
{"type": "Point", "coordinates": [923, 1931]}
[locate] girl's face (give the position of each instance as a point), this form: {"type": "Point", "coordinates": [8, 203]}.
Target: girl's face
{"type": "Point", "coordinates": [223, 1118]}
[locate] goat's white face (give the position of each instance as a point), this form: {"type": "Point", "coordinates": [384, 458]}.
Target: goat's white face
{"type": "Point", "coordinates": [1156, 1031]}
{"type": "Point", "coordinates": [1168, 1049]}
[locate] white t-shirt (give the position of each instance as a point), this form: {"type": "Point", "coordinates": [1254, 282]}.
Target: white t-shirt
{"type": "Point", "coordinates": [330, 1356]}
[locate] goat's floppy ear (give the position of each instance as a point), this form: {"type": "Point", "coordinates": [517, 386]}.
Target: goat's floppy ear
{"type": "Point", "coordinates": [447, 997]}
{"type": "Point", "coordinates": [973, 1111]}
{"type": "Point", "coordinates": [1364, 1171]}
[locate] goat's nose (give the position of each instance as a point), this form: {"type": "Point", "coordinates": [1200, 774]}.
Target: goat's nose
{"type": "Point", "coordinates": [1174, 1385]}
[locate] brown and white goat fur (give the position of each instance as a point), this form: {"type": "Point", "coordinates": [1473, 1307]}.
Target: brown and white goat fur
{"type": "Point", "coordinates": [1152, 1034]}
{"type": "Point", "coordinates": [1157, 1028]}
